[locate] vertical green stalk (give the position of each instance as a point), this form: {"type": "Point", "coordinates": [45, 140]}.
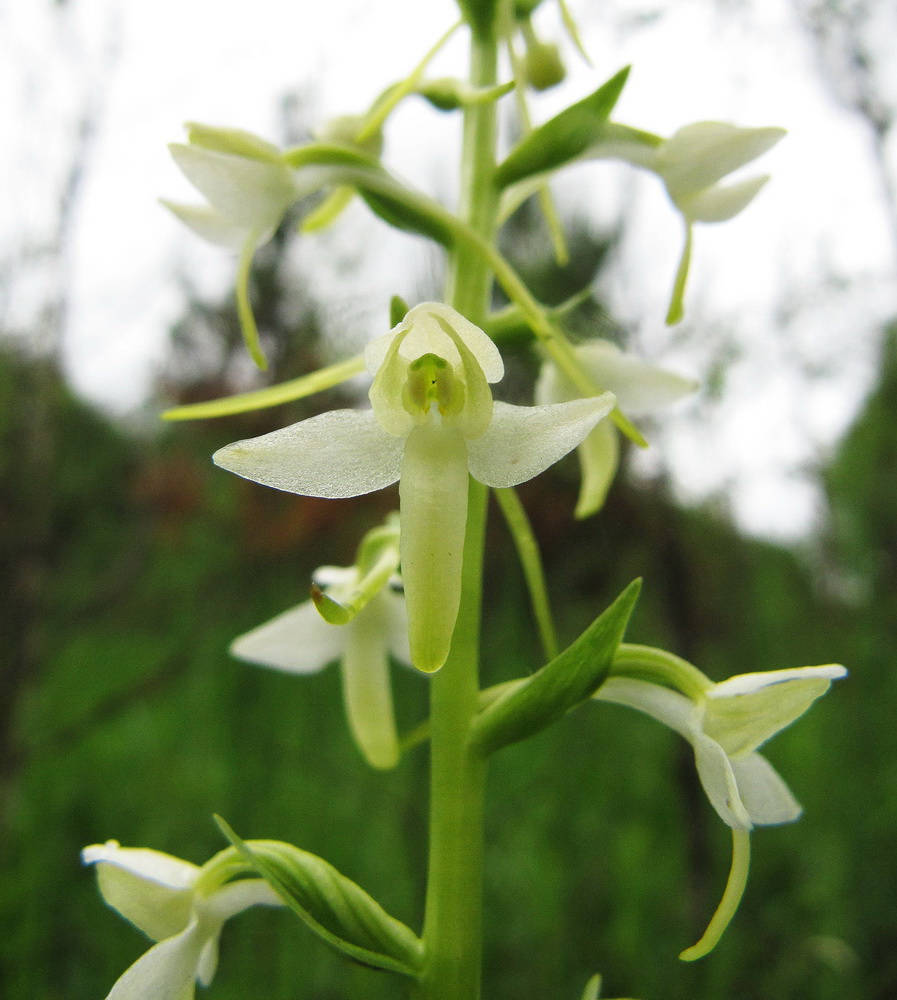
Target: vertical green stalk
{"type": "Point", "coordinates": [453, 918]}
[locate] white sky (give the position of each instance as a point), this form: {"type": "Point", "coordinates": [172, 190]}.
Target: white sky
{"type": "Point", "coordinates": [815, 248]}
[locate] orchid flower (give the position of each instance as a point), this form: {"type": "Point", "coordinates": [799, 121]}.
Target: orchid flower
{"type": "Point", "coordinates": [641, 389]}
{"type": "Point", "coordinates": [726, 723]}
{"type": "Point", "coordinates": [691, 164]}
{"type": "Point", "coordinates": [725, 727]}
{"type": "Point", "coordinates": [248, 187]}
{"type": "Point", "coordinates": [180, 906]}
{"type": "Point", "coordinates": [355, 616]}
{"type": "Point", "coordinates": [432, 424]}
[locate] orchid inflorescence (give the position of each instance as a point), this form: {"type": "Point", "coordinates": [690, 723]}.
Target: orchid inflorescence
{"type": "Point", "coordinates": [434, 427]}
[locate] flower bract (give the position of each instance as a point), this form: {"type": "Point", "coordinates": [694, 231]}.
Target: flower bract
{"type": "Point", "coordinates": [432, 424]}
{"type": "Point", "coordinates": [641, 390]}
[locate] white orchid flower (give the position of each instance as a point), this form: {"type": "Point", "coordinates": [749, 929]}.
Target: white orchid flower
{"type": "Point", "coordinates": [245, 180]}
{"type": "Point", "coordinates": [641, 389]}
{"type": "Point", "coordinates": [726, 726]}
{"type": "Point", "coordinates": [691, 164]}
{"type": "Point", "coordinates": [177, 904]}
{"type": "Point", "coordinates": [432, 424]}
{"type": "Point", "coordinates": [726, 723]}
{"type": "Point", "coordinates": [248, 187]}
{"type": "Point", "coordinates": [300, 641]}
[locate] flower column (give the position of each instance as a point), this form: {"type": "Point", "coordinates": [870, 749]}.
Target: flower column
{"type": "Point", "coordinates": [453, 920]}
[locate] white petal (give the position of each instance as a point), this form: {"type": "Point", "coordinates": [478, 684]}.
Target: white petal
{"type": "Point", "coordinates": [253, 194]}
{"type": "Point", "coordinates": [757, 681]}
{"type": "Point", "coordinates": [235, 897]}
{"type": "Point", "coordinates": [298, 641]}
{"type": "Point", "coordinates": [397, 625]}
{"type": "Point", "coordinates": [766, 797]}
{"type": "Point", "coordinates": [745, 711]}
{"type": "Point", "coordinates": [166, 972]}
{"type": "Point", "coordinates": [154, 891]}
{"type": "Point", "coordinates": [719, 781]}
{"type": "Point", "coordinates": [641, 388]}
{"type": "Point", "coordinates": [341, 453]}
{"type": "Point", "coordinates": [523, 441]}
{"type": "Point", "coordinates": [425, 335]}
{"type": "Point", "coordinates": [720, 202]}
{"type": "Point", "coordinates": [211, 225]}
{"type": "Point", "coordinates": [145, 864]}
{"type": "Point", "coordinates": [700, 154]}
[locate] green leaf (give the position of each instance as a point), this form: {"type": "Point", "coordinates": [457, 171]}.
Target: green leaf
{"type": "Point", "coordinates": [562, 684]}
{"type": "Point", "coordinates": [564, 137]}
{"type": "Point", "coordinates": [334, 907]}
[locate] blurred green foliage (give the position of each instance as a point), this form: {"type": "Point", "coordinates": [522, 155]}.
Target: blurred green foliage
{"type": "Point", "coordinates": [129, 563]}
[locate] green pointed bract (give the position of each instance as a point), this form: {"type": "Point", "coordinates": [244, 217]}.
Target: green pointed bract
{"type": "Point", "coordinates": [433, 492]}
{"type": "Point", "coordinates": [567, 681]}
{"type": "Point", "coordinates": [564, 137]}
{"type": "Point", "coordinates": [332, 906]}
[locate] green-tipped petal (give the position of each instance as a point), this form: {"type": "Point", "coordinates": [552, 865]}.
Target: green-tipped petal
{"type": "Point", "coordinates": [341, 453]}
{"type": "Point", "coordinates": [433, 493]}
{"type": "Point", "coordinates": [523, 441]}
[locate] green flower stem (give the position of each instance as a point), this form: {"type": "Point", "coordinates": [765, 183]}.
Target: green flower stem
{"type": "Point", "coordinates": [453, 917]}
